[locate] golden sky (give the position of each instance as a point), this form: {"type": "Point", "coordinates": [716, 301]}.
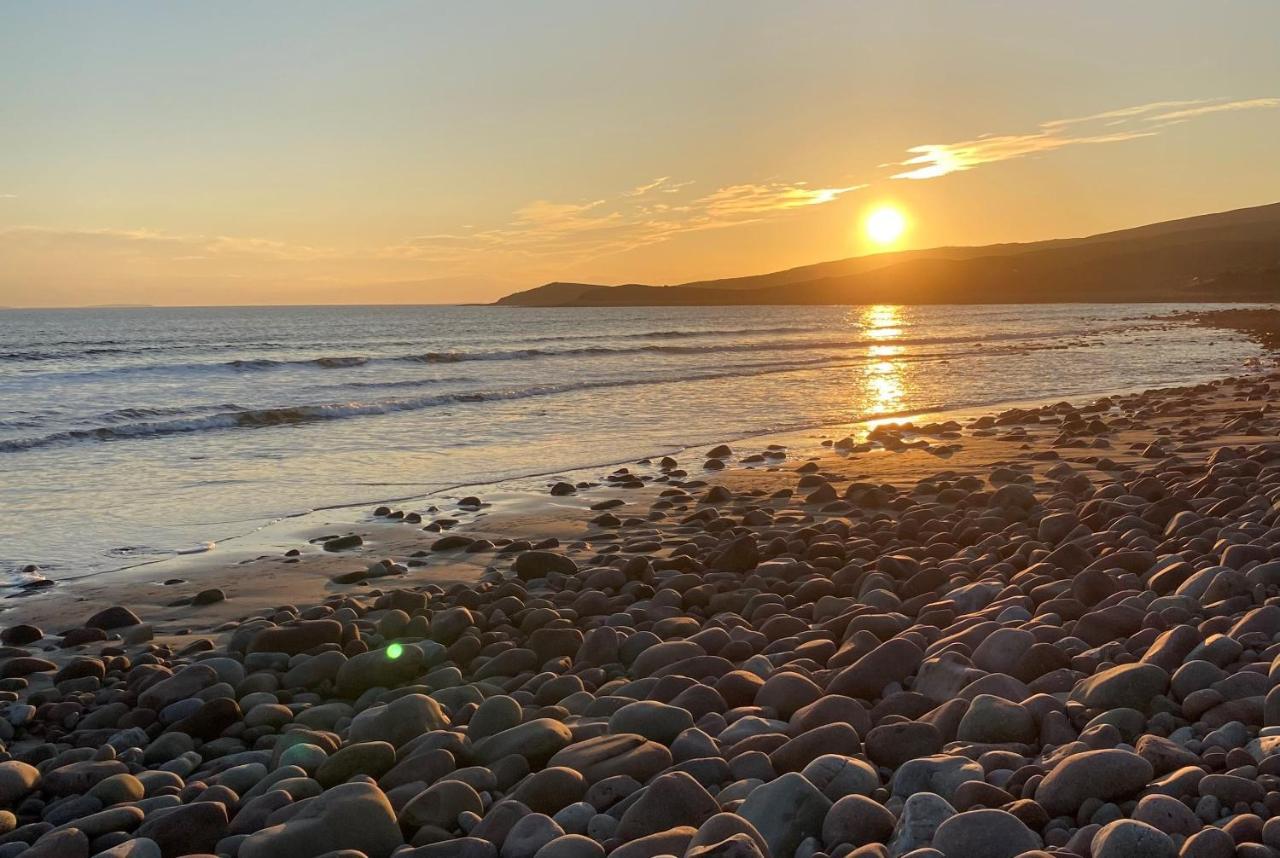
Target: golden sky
{"type": "Point", "coordinates": [385, 152]}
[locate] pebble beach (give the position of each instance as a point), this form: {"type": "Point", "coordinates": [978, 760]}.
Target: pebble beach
{"type": "Point", "coordinates": [1047, 630]}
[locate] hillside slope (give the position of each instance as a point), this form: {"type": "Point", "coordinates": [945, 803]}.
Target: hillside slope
{"type": "Point", "coordinates": [1227, 256]}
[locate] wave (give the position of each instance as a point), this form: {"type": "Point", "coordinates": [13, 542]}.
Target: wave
{"type": "Point", "coordinates": [329, 362]}
{"type": "Point", "coordinates": [48, 350]}
{"type": "Point", "coordinates": [292, 415]}
{"type": "Point", "coordinates": [669, 334]}
{"type": "Point", "coordinates": [338, 362]}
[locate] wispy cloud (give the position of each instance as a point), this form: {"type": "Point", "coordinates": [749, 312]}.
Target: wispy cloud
{"type": "Point", "coordinates": [161, 245]}
{"type": "Point", "coordinates": [8, 196]}
{"type": "Point", "coordinates": [560, 233]}
{"type": "Point", "coordinates": [933, 160]}
{"type": "Point", "coordinates": [1204, 110]}
{"type": "Point", "coordinates": [1121, 113]}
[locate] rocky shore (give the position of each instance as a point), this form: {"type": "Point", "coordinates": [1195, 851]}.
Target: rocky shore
{"type": "Point", "coordinates": [1052, 630]}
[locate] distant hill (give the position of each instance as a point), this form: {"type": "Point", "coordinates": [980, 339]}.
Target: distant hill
{"type": "Point", "coordinates": [1227, 256]}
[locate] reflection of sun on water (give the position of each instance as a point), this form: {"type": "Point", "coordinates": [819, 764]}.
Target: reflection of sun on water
{"type": "Point", "coordinates": [881, 322]}
{"type": "Point", "coordinates": [883, 387]}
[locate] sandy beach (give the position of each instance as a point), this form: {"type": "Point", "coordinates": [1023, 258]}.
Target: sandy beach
{"type": "Point", "coordinates": [959, 635]}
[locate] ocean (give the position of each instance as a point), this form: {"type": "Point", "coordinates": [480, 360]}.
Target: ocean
{"type": "Point", "coordinates": [130, 435]}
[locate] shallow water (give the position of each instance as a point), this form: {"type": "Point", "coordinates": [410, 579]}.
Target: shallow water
{"type": "Point", "coordinates": [129, 435]}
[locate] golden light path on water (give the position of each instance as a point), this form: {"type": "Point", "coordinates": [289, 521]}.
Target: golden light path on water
{"type": "Point", "coordinates": [884, 388]}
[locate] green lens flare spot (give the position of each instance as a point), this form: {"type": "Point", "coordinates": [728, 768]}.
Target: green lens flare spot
{"type": "Point", "coordinates": [395, 651]}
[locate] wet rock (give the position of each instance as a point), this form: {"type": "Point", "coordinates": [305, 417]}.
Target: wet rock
{"type": "Point", "coordinates": [530, 565]}
{"type": "Point", "coordinates": [114, 617]}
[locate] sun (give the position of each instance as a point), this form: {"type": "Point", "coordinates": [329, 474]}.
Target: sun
{"type": "Point", "coordinates": [885, 225]}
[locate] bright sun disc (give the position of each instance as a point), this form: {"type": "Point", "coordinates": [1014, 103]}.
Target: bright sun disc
{"type": "Point", "coordinates": [885, 225]}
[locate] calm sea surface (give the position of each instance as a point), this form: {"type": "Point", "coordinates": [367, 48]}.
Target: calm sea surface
{"type": "Point", "coordinates": [129, 435]}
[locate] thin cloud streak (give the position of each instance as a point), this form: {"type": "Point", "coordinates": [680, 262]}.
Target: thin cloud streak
{"type": "Point", "coordinates": [560, 233]}
{"type": "Point", "coordinates": [1193, 112]}
{"type": "Point", "coordinates": [934, 160]}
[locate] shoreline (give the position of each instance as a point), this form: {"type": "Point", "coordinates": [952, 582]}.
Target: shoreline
{"type": "Point", "coordinates": [244, 542]}
{"type": "Point", "coordinates": [521, 503]}
{"type": "Point", "coordinates": [346, 463]}
{"type": "Point", "coordinates": [279, 533]}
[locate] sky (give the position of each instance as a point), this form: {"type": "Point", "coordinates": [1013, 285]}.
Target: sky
{"type": "Point", "coordinates": [194, 153]}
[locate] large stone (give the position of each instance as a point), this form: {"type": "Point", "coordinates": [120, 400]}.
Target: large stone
{"type": "Point", "coordinates": [77, 778]}
{"type": "Point", "coordinates": [856, 820]}
{"type": "Point", "coordinates": [787, 693]}
{"type": "Point", "coordinates": [941, 774]}
{"type": "Point", "coordinates": [64, 843]}
{"type": "Point", "coordinates": [1167, 814]}
{"type": "Point", "coordinates": [891, 745]}
{"type": "Point", "coordinates": [386, 667]}
{"type": "Point", "coordinates": [208, 722]}
{"type": "Point", "coordinates": [138, 847]}
{"type": "Point", "coordinates": [671, 800]}
{"type": "Point", "coordinates": [494, 715]}
{"type": "Point", "coordinates": [124, 818]}
{"type": "Point", "coordinates": [297, 637]}
{"type": "Point", "coordinates": [530, 834]}
{"type": "Point", "coordinates": [838, 776]}
{"type": "Point", "coordinates": [1107, 775]}
{"type": "Point", "coordinates": [439, 806]}
{"type": "Point", "coordinates": [350, 816]}
{"type": "Point", "coordinates": [999, 651]}
{"type": "Point", "coordinates": [16, 780]}
{"type": "Point", "coordinates": [993, 720]}
{"type": "Point", "coordinates": [892, 661]}
{"type": "Point", "coordinates": [733, 846]}
{"type": "Point", "coordinates": [672, 842]}
{"type": "Point", "coordinates": [1126, 686]}
{"type": "Point", "coordinates": [550, 790]}
{"type": "Point", "coordinates": [812, 744]}
{"type": "Point", "coordinates": [537, 741]}
{"type": "Point", "coordinates": [723, 826]}
{"type": "Point", "coordinates": [921, 815]}
{"type": "Point", "coordinates": [610, 755]}
{"type": "Point", "coordinates": [987, 832]}
{"type": "Point", "coordinates": [187, 829]}
{"type": "Point", "coordinates": [651, 719]}
{"type": "Point", "coordinates": [1128, 838]}
{"type": "Point", "coordinates": [188, 682]}
{"type": "Point", "coordinates": [785, 811]}
{"type": "Point", "coordinates": [539, 564]}
{"type": "Point", "coordinates": [360, 758]}
{"type": "Point", "coordinates": [115, 617]}
{"type": "Point", "coordinates": [399, 721]}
